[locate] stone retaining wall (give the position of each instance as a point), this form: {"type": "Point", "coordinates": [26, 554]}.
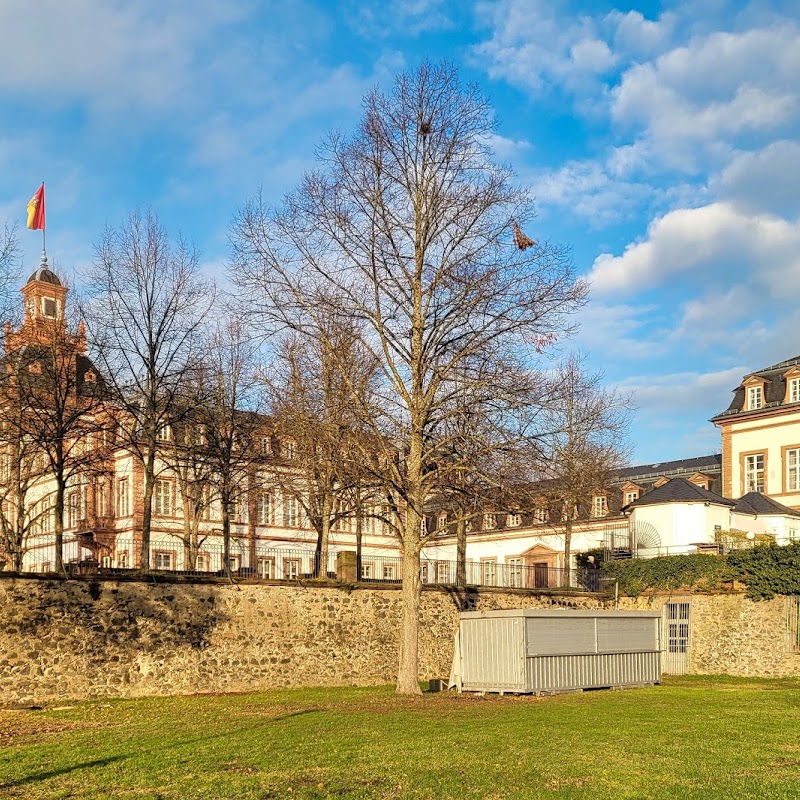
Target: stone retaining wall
{"type": "Point", "coordinates": [77, 639]}
{"type": "Point", "coordinates": [74, 639]}
{"type": "Point", "coordinates": [733, 635]}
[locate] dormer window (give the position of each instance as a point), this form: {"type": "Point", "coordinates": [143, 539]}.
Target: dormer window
{"type": "Point", "coordinates": [513, 520]}
{"type": "Point", "coordinates": [489, 522]}
{"type": "Point", "coordinates": [631, 496]}
{"type": "Point", "coordinates": [794, 390]}
{"type": "Point", "coordinates": [599, 505]}
{"type": "Point", "coordinates": [755, 397]}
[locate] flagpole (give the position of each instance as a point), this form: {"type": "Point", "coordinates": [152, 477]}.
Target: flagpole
{"type": "Point", "coordinates": [44, 241]}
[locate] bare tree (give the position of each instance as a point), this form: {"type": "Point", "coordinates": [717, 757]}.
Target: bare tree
{"type": "Point", "coordinates": [408, 229]}
{"type": "Point", "coordinates": [587, 427]}
{"type": "Point", "coordinates": [21, 465]}
{"type": "Point", "coordinates": [311, 407]}
{"type": "Point", "coordinates": [9, 270]}
{"type": "Point", "coordinates": [61, 395]}
{"type": "Point", "coordinates": [147, 306]}
{"type": "Point", "coordinates": [227, 412]}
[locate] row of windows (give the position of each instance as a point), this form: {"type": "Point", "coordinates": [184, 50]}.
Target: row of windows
{"type": "Point", "coordinates": [755, 394]}
{"type": "Point", "coordinates": [196, 435]}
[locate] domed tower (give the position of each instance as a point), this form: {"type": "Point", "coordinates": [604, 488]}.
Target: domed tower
{"type": "Point", "coordinates": [44, 299]}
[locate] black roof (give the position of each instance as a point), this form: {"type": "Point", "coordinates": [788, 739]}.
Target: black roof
{"type": "Point", "coordinates": [757, 503]}
{"type": "Point", "coordinates": [679, 490]}
{"type": "Point", "coordinates": [774, 387]}
{"type": "Point", "coordinates": [46, 276]}
{"type": "Point", "coordinates": [711, 463]}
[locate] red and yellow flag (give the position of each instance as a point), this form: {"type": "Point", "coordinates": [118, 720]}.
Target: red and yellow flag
{"type": "Point", "coordinates": [36, 210]}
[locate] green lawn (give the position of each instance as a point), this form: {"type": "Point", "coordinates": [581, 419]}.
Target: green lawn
{"type": "Point", "coordinates": [690, 738]}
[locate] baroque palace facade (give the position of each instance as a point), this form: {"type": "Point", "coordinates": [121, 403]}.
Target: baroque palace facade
{"type": "Point", "coordinates": [678, 506]}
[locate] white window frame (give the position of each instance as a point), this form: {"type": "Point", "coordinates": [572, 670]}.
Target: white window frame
{"type": "Point", "coordinates": [513, 519]}
{"type": "Point", "coordinates": [755, 397]}
{"type": "Point", "coordinates": [162, 560]}
{"type": "Point", "coordinates": [793, 470]}
{"type": "Point", "coordinates": [489, 572]}
{"type": "Point", "coordinates": [515, 566]}
{"type": "Point", "coordinates": [754, 473]}
{"type": "Point", "coordinates": [389, 572]}
{"type": "Point", "coordinates": [264, 505]}
{"type": "Point", "coordinates": [490, 521]}
{"type": "Point", "coordinates": [123, 506]}
{"type": "Point", "coordinates": [162, 498]}
{"type": "Point", "coordinates": [291, 511]}
{"type": "Point", "coordinates": [599, 505]}
{"type": "Point", "coordinates": [794, 390]}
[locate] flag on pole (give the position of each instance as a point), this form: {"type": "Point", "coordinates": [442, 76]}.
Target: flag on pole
{"type": "Point", "coordinates": [36, 210]}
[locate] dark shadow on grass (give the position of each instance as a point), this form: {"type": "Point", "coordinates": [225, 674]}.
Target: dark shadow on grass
{"type": "Point", "coordinates": [43, 776]}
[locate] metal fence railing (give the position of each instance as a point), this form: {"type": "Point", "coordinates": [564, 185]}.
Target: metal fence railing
{"type": "Point", "coordinates": [261, 563]}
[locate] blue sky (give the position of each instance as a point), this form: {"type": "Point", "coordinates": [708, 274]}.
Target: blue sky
{"type": "Point", "coordinates": [661, 140]}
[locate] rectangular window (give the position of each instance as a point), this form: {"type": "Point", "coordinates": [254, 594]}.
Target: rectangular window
{"type": "Point", "coordinates": [599, 505]}
{"type": "Point", "coordinates": [264, 508]}
{"type": "Point", "coordinates": [388, 572]}
{"type": "Point", "coordinates": [234, 563]}
{"type": "Point", "coordinates": [793, 470]}
{"type": "Point", "coordinates": [540, 514]}
{"type": "Point", "coordinates": [631, 496]}
{"type": "Point", "coordinates": [489, 572]}
{"type": "Point", "coordinates": [290, 512]}
{"type": "Point", "coordinates": [514, 520]}
{"type": "Point", "coordinates": [122, 560]}
{"type": "Point", "coordinates": [291, 569]}
{"type": "Point", "coordinates": [442, 572]}
{"type": "Point", "coordinates": [47, 514]}
{"type": "Point", "coordinates": [289, 450]}
{"type": "Point", "coordinates": [266, 568]}
{"type": "Point", "coordinates": [367, 572]}
{"type": "Point", "coordinates": [163, 560]}
{"type": "Point", "coordinates": [423, 573]}
{"type": "Point", "coordinates": [202, 563]}
{"type": "Point", "coordinates": [164, 434]}
{"type": "Point", "coordinates": [122, 497]}
{"type": "Point", "coordinates": [514, 572]}
{"type": "Point", "coordinates": [754, 473]}
{"type": "Point", "coordinates": [73, 509]}
{"type": "Point", "coordinates": [265, 446]}
{"type": "Point", "coordinates": [162, 498]}
{"type": "Point", "coordinates": [755, 397]}
{"type": "Point", "coordinates": [794, 390]}
{"type": "Point", "coordinates": [489, 522]}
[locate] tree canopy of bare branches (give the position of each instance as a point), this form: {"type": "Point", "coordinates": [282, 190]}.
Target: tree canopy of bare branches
{"type": "Point", "coordinates": [586, 427]}
{"type": "Point", "coordinates": [147, 306]}
{"type": "Point", "coordinates": [406, 228]}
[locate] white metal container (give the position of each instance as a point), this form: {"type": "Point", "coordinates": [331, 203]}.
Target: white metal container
{"type": "Point", "coordinates": [536, 650]}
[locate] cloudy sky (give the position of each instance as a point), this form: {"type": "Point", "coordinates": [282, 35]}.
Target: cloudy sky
{"type": "Point", "coordinates": [662, 142]}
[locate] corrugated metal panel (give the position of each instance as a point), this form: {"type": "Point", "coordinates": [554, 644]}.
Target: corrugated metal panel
{"type": "Point", "coordinates": [623, 634]}
{"type": "Point", "coordinates": [543, 650]}
{"type": "Point", "coordinates": [553, 635]}
{"type": "Point", "coordinates": [562, 673]}
{"type": "Point", "coordinates": [492, 655]}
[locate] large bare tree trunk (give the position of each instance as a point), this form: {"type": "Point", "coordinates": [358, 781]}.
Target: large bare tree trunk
{"type": "Point", "coordinates": [147, 511]}
{"type": "Point", "coordinates": [58, 526]}
{"type": "Point", "coordinates": [461, 552]}
{"type": "Point", "coordinates": [408, 668]}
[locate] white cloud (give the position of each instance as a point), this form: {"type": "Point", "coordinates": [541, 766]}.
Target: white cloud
{"type": "Point", "coordinates": [763, 180]}
{"type": "Point", "coordinates": [699, 244]}
{"type": "Point", "coordinates": [536, 45]}
{"type": "Point", "coordinates": [588, 190]}
{"type": "Point", "coordinates": [108, 53]}
{"type": "Point", "coordinates": [658, 393]}
{"type": "Point", "coordinates": [693, 102]}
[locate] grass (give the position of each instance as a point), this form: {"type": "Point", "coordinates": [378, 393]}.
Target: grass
{"type": "Point", "coordinates": [690, 738]}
